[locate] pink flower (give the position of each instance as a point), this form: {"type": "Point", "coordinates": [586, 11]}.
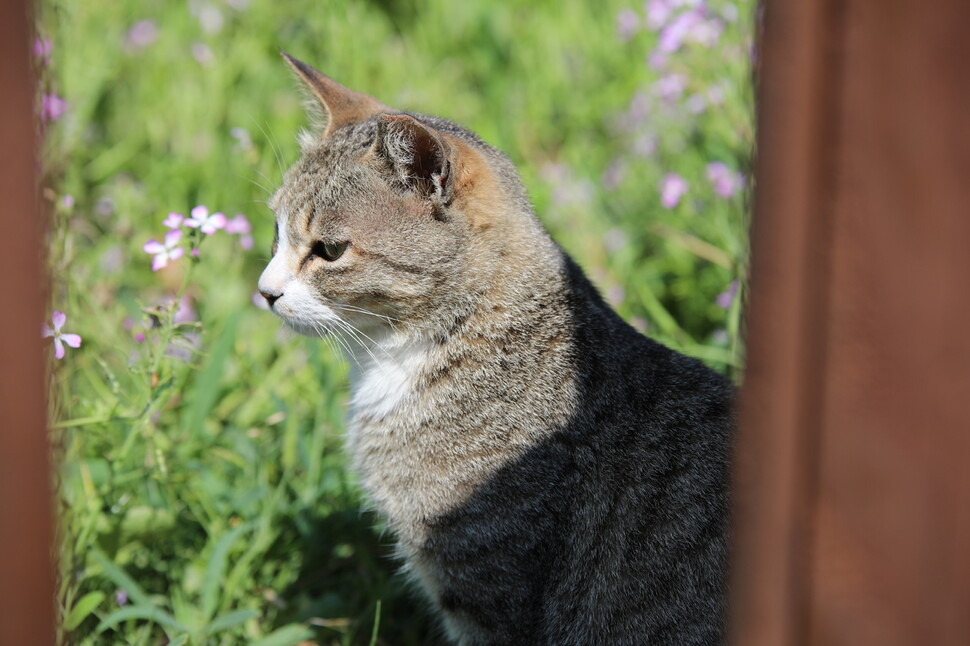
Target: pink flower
{"type": "Point", "coordinates": [696, 103]}
{"type": "Point", "coordinates": [716, 94]}
{"type": "Point", "coordinates": [672, 188]}
{"type": "Point", "coordinates": [239, 224]}
{"type": "Point", "coordinates": [693, 25]}
{"type": "Point", "coordinates": [185, 313]}
{"type": "Point", "coordinates": [658, 11]}
{"type": "Point", "coordinates": [208, 224]}
{"type": "Point", "coordinates": [242, 137]}
{"type": "Point", "coordinates": [627, 23]}
{"type": "Point", "coordinates": [202, 54]}
{"type": "Point", "coordinates": [165, 252]}
{"type": "Point", "coordinates": [60, 338]}
{"type": "Point", "coordinates": [174, 220]}
{"type": "Point", "coordinates": [142, 34]}
{"type": "Point", "coordinates": [674, 34]}
{"type": "Point", "coordinates": [706, 32]}
{"type": "Point", "coordinates": [645, 145]}
{"type": "Point", "coordinates": [613, 176]}
{"type": "Point", "coordinates": [52, 107]}
{"type": "Point", "coordinates": [210, 18]}
{"type": "Point", "coordinates": [658, 60]}
{"type": "Point", "coordinates": [42, 49]}
{"type": "Point", "coordinates": [259, 301]}
{"type": "Point", "coordinates": [670, 86]}
{"type": "Point", "coordinates": [726, 298]}
{"type": "Point", "coordinates": [726, 181]}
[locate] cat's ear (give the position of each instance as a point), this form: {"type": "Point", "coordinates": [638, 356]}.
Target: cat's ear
{"type": "Point", "coordinates": [419, 156]}
{"type": "Point", "coordinates": [342, 105]}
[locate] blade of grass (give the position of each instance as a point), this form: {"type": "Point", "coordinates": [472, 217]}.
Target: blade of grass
{"type": "Point", "coordinates": [84, 607]}
{"type": "Point", "coordinates": [120, 578]}
{"type": "Point", "coordinates": [206, 387]}
{"type": "Point", "coordinates": [286, 636]}
{"type": "Point", "coordinates": [149, 613]}
{"type": "Point", "coordinates": [215, 568]}
{"type": "Point", "coordinates": [377, 624]}
{"type": "Point", "coordinates": [230, 620]}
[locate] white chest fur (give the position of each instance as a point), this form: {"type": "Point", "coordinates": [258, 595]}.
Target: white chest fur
{"type": "Point", "coordinates": [384, 379]}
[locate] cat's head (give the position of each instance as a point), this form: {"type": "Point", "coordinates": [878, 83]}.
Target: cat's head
{"type": "Point", "coordinates": [388, 217]}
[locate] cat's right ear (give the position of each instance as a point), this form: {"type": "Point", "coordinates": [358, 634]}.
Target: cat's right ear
{"type": "Point", "coordinates": [419, 156]}
{"type": "Point", "coordinates": [342, 105]}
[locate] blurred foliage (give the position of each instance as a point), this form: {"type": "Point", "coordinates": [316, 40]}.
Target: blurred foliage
{"type": "Point", "coordinates": [203, 496]}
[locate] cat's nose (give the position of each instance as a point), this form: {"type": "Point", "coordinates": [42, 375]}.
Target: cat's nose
{"type": "Point", "coordinates": [270, 297]}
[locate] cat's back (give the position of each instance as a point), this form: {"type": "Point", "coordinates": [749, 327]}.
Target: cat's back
{"type": "Point", "coordinates": [612, 530]}
{"type": "Point", "coordinates": [646, 547]}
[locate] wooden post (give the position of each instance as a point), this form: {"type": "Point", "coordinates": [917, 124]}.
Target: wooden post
{"type": "Point", "coordinates": [26, 580]}
{"type": "Point", "coordinates": [852, 495]}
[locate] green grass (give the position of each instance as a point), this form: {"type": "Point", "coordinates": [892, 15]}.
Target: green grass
{"type": "Point", "coordinates": [211, 487]}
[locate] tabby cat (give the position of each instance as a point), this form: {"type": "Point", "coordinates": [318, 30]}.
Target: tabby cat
{"type": "Point", "coordinates": [552, 476]}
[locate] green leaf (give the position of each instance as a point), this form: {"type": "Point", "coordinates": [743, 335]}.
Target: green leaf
{"type": "Point", "coordinates": [82, 609]}
{"type": "Point", "coordinates": [377, 624]}
{"type": "Point", "coordinates": [230, 620]}
{"type": "Point", "coordinates": [214, 569]}
{"type": "Point", "coordinates": [205, 390]}
{"type": "Point", "coordinates": [121, 578]}
{"type": "Point", "coordinates": [286, 636]}
{"type": "Point", "coordinates": [143, 522]}
{"type": "Point", "coordinates": [150, 613]}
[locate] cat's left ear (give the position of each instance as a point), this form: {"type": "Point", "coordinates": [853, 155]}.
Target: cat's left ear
{"type": "Point", "coordinates": [342, 105]}
{"type": "Point", "coordinates": [420, 157]}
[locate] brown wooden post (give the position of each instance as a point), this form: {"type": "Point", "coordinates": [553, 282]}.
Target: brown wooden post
{"type": "Point", "coordinates": [852, 494]}
{"type": "Point", "coordinates": [26, 581]}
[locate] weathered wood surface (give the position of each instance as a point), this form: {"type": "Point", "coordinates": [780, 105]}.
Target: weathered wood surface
{"type": "Point", "coordinates": [853, 496]}
{"type": "Point", "coordinates": [26, 579]}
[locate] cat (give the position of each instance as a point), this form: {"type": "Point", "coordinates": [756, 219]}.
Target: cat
{"type": "Point", "coordinates": [551, 475]}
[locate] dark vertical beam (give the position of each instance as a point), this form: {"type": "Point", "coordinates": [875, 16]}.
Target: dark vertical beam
{"type": "Point", "coordinates": [776, 449]}
{"type": "Point", "coordinates": [852, 498]}
{"type": "Point", "coordinates": [891, 562]}
{"type": "Point", "coordinates": [26, 580]}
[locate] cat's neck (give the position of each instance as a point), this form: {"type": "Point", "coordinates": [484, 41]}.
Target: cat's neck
{"type": "Point", "coordinates": [384, 366]}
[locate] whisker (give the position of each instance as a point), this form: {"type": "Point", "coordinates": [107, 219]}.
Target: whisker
{"type": "Point", "coordinates": [343, 343]}
{"type": "Point", "coordinates": [344, 325]}
{"type": "Point", "coordinates": [352, 308]}
{"type": "Point", "coordinates": [328, 339]}
{"type": "Point", "coordinates": [276, 153]}
{"type": "Point", "coordinates": [255, 183]}
{"type": "Point", "coordinates": [356, 331]}
{"type": "Point", "coordinates": [261, 174]}
{"type": "Point", "coordinates": [389, 319]}
{"type": "Point", "coordinates": [279, 155]}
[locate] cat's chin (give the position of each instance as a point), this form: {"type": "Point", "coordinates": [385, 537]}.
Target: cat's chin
{"type": "Point", "coordinates": [295, 328]}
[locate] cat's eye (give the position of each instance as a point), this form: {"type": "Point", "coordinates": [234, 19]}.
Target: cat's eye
{"type": "Point", "coordinates": [329, 251]}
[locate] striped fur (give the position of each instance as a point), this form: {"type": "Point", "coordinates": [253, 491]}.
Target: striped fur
{"type": "Point", "coordinates": [553, 477]}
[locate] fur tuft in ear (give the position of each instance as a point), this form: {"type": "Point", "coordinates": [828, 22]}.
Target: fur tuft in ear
{"type": "Point", "coordinates": [342, 105]}
{"type": "Point", "coordinates": [419, 155]}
